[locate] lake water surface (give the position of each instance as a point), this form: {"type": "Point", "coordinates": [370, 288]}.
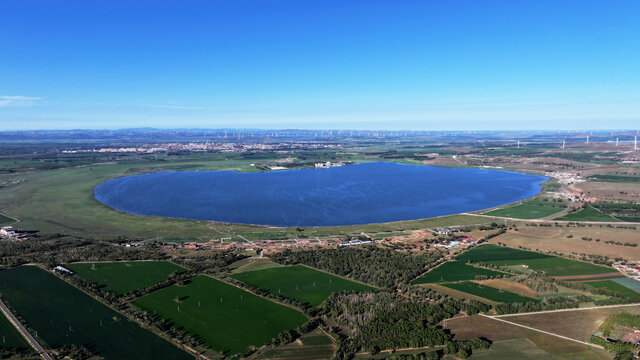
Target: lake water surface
{"type": "Point", "coordinates": [354, 194]}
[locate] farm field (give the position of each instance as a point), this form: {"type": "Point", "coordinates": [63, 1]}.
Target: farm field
{"type": "Point", "coordinates": [614, 286]}
{"type": "Point", "coordinates": [10, 338]}
{"type": "Point", "coordinates": [468, 327]}
{"type": "Point", "coordinates": [614, 178]}
{"type": "Point", "coordinates": [626, 212]}
{"type": "Point", "coordinates": [512, 349]}
{"type": "Point", "coordinates": [587, 214]}
{"type": "Point", "coordinates": [551, 265]}
{"type": "Point", "coordinates": [529, 209]}
{"type": "Point", "coordinates": [124, 277]}
{"type": "Point", "coordinates": [569, 240]}
{"type": "Point", "coordinates": [628, 283]}
{"type": "Point", "coordinates": [488, 292]}
{"type": "Point", "coordinates": [576, 324]}
{"type": "Point", "coordinates": [62, 314]}
{"type": "Point", "coordinates": [312, 346]}
{"type": "Point", "coordinates": [454, 271]}
{"type": "Point", "coordinates": [252, 264]}
{"type": "Point", "coordinates": [300, 283]}
{"type": "Point", "coordinates": [229, 319]}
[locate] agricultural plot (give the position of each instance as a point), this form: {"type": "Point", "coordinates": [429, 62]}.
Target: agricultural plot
{"type": "Point", "coordinates": [551, 265]}
{"type": "Point", "coordinates": [124, 277]}
{"type": "Point", "coordinates": [628, 283]}
{"type": "Point", "coordinates": [10, 338]}
{"type": "Point", "coordinates": [530, 209]}
{"type": "Point", "coordinates": [454, 271]}
{"type": "Point", "coordinates": [488, 292]}
{"type": "Point", "coordinates": [313, 346]}
{"type": "Point", "coordinates": [575, 324]}
{"type": "Point", "coordinates": [615, 287]}
{"type": "Point", "coordinates": [300, 283]}
{"type": "Point", "coordinates": [64, 315]}
{"type": "Point", "coordinates": [512, 349]}
{"type": "Point", "coordinates": [227, 318]}
{"type": "Point", "coordinates": [588, 214]}
{"type": "Point", "coordinates": [468, 327]}
{"type": "Point", "coordinates": [625, 212]}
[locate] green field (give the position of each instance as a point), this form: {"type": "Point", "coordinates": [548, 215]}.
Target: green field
{"type": "Point", "coordinates": [488, 292]}
{"type": "Point", "coordinates": [587, 214]}
{"type": "Point", "coordinates": [229, 319]}
{"type": "Point", "coordinates": [490, 252]}
{"type": "Point", "coordinates": [551, 265]}
{"type": "Point", "coordinates": [10, 338]}
{"type": "Point", "coordinates": [615, 287]}
{"type": "Point", "coordinates": [5, 220]}
{"type": "Point", "coordinates": [300, 283]}
{"type": "Point", "coordinates": [529, 209]}
{"type": "Point", "coordinates": [64, 315]}
{"type": "Point", "coordinates": [454, 271]}
{"type": "Point", "coordinates": [124, 277]}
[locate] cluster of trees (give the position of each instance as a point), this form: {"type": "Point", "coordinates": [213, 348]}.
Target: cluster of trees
{"type": "Point", "coordinates": [370, 264]}
{"type": "Point", "coordinates": [213, 262]}
{"type": "Point", "coordinates": [622, 350]}
{"type": "Point", "coordinates": [75, 352]}
{"type": "Point", "coordinates": [548, 304]}
{"type": "Point", "coordinates": [56, 250]}
{"type": "Point", "coordinates": [385, 320]}
{"type": "Point", "coordinates": [537, 282]}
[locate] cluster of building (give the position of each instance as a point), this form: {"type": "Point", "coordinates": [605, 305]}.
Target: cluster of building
{"type": "Point", "coordinates": [355, 242]}
{"type": "Point", "coordinates": [203, 147]}
{"type": "Point", "coordinates": [453, 243]}
{"type": "Point", "coordinates": [629, 268]}
{"type": "Point", "coordinates": [327, 164]}
{"type": "Point", "coordinates": [8, 232]}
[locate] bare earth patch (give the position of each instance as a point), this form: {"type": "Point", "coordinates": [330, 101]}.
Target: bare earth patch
{"type": "Point", "coordinates": [511, 286]}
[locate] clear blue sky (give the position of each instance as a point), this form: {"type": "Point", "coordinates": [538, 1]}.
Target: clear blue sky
{"type": "Point", "coordinates": [377, 64]}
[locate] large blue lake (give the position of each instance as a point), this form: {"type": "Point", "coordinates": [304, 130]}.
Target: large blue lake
{"type": "Point", "coordinates": [346, 195]}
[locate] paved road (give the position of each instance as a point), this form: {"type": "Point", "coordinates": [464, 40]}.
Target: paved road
{"type": "Point", "coordinates": [34, 343]}
{"type": "Point", "coordinates": [542, 331]}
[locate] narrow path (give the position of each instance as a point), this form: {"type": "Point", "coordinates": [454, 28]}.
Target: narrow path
{"type": "Point", "coordinates": [32, 341]}
{"type": "Point", "coordinates": [542, 331]}
{"type": "Point", "coordinates": [16, 220]}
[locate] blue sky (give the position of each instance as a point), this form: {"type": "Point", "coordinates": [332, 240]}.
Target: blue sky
{"type": "Point", "coordinates": [511, 64]}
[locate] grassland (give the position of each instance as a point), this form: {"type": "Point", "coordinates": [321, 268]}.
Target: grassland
{"type": "Point", "coordinates": [62, 314]}
{"type": "Point", "coordinates": [124, 277]}
{"type": "Point", "coordinates": [312, 346]}
{"type": "Point", "coordinates": [488, 292]}
{"type": "Point", "coordinates": [615, 287]}
{"type": "Point", "coordinates": [551, 265]}
{"type": "Point", "coordinates": [530, 209]}
{"type": "Point", "coordinates": [229, 319]}
{"type": "Point", "coordinates": [61, 201]}
{"type": "Point", "coordinates": [588, 214]}
{"type": "Point", "coordinates": [5, 220]}
{"type": "Point", "coordinates": [10, 338]}
{"type": "Point", "coordinates": [454, 271]}
{"type": "Point", "coordinates": [300, 283]}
